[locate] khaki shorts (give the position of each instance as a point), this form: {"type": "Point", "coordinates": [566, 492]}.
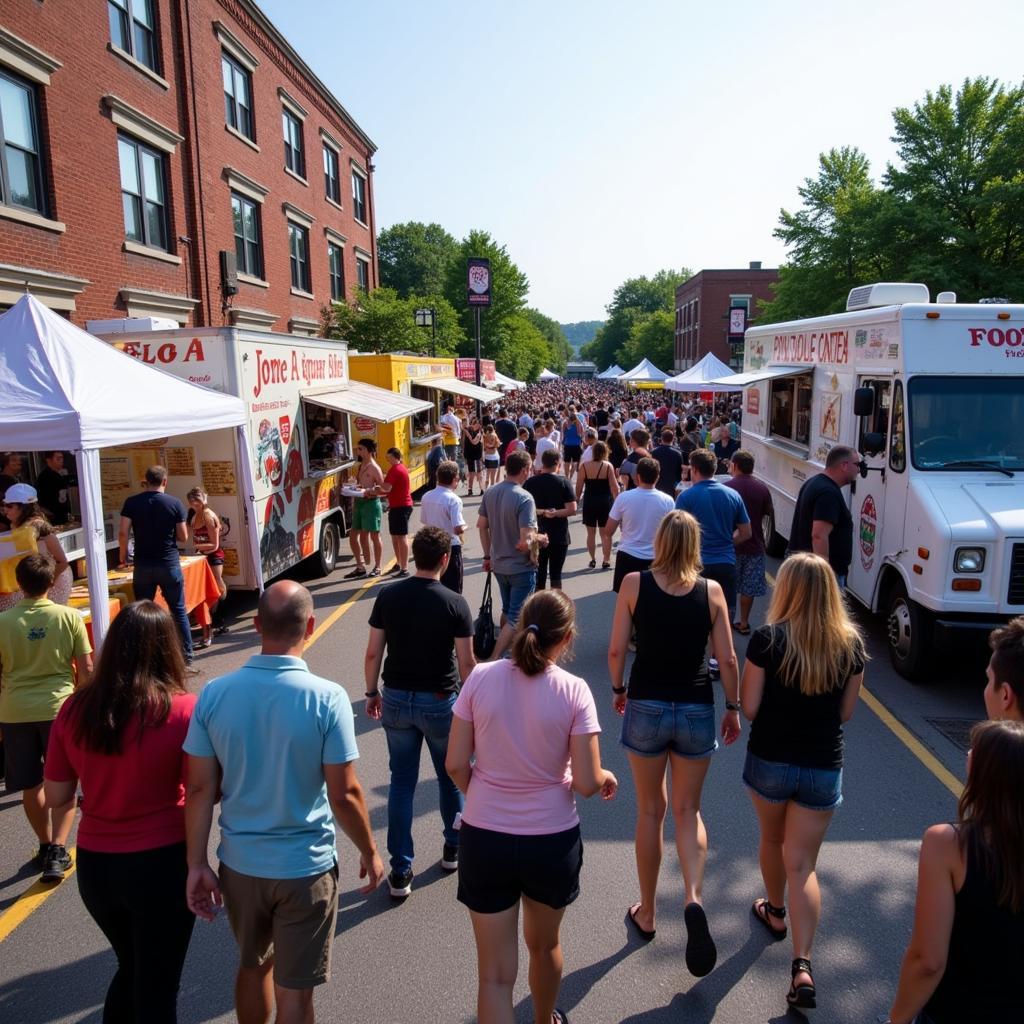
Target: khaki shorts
{"type": "Point", "coordinates": [287, 920]}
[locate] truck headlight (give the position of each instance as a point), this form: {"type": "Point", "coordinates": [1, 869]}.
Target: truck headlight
{"type": "Point", "coordinates": [969, 560]}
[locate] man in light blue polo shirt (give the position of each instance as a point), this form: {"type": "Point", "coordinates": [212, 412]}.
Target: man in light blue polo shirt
{"type": "Point", "coordinates": [723, 519]}
{"type": "Point", "coordinates": [279, 744]}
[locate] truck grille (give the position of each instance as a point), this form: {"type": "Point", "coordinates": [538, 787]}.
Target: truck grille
{"type": "Point", "coordinates": [1015, 595]}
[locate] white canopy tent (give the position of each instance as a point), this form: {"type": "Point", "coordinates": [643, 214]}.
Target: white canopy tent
{"type": "Point", "coordinates": [546, 374]}
{"type": "Point", "coordinates": [505, 383]}
{"type": "Point", "coordinates": [645, 372]}
{"type": "Point", "coordinates": [61, 388]}
{"type": "Point", "coordinates": [702, 376]}
{"type": "Point", "coordinates": [612, 373]}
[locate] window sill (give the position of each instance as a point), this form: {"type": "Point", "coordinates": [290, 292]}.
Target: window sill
{"type": "Point", "coordinates": [138, 65]}
{"type": "Point", "coordinates": [303, 294]}
{"type": "Point", "coordinates": [242, 138]}
{"type": "Point", "coordinates": [145, 250]}
{"type": "Point", "coordinates": [256, 282]}
{"type": "Point", "coordinates": [333, 202]}
{"type": "Point", "coordinates": [35, 220]}
{"type": "Point", "coordinates": [361, 223]}
{"type": "Point", "coordinates": [297, 177]}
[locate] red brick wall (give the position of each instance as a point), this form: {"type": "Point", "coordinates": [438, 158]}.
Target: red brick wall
{"type": "Point", "coordinates": [83, 174]}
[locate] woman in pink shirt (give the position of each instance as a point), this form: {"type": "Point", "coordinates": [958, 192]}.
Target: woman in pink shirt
{"type": "Point", "coordinates": [121, 737]}
{"type": "Point", "coordinates": [533, 730]}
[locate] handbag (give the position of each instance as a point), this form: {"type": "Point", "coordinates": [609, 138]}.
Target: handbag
{"type": "Point", "coordinates": [485, 636]}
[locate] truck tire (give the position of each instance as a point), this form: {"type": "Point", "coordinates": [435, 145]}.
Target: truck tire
{"type": "Point", "coordinates": [774, 543]}
{"type": "Point", "coordinates": [327, 556]}
{"type": "Point", "coordinates": [909, 632]}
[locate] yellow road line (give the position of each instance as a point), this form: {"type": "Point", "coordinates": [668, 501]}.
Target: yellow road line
{"type": "Point", "coordinates": [30, 901]}
{"type": "Point", "coordinates": [38, 893]}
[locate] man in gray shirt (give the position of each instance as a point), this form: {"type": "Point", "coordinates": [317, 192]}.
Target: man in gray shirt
{"type": "Point", "coordinates": [508, 528]}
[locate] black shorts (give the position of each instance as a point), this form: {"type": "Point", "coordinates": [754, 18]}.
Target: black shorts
{"type": "Point", "coordinates": [24, 753]}
{"type": "Point", "coordinates": [624, 565]}
{"type": "Point", "coordinates": [215, 559]}
{"type": "Point", "coordinates": [573, 453]}
{"type": "Point", "coordinates": [398, 520]}
{"type": "Point", "coordinates": [473, 464]}
{"type": "Point", "coordinates": [496, 868]}
{"type": "Point", "coordinates": [595, 511]}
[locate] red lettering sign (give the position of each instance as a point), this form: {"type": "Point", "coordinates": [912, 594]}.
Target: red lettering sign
{"type": "Point", "coordinates": [997, 337]}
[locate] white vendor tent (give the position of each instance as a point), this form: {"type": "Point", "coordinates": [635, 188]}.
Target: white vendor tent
{"type": "Point", "coordinates": [546, 374]}
{"type": "Point", "coordinates": [504, 383]}
{"type": "Point", "coordinates": [645, 372]}
{"type": "Point", "coordinates": [700, 376]}
{"type": "Point", "coordinates": [61, 388]}
{"type": "Point", "coordinates": [612, 373]}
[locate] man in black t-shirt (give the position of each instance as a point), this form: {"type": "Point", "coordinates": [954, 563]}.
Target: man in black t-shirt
{"type": "Point", "coordinates": [671, 461]}
{"type": "Point", "coordinates": [822, 522]}
{"type": "Point", "coordinates": [556, 502]}
{"type": "Point", "coordinates": [507, 432]}
{"type": "Point", "coordinates": [158, 522]}
{"type": "Point", "coordinates": [427, 632]}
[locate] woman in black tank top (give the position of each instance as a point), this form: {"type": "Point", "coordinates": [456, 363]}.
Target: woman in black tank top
{"type": "Point", "coordinates": [970, 898]}
{"type": "Point", "coordinates": [597, 488]}
{"type": "Point", "coordinates": [669, 716]}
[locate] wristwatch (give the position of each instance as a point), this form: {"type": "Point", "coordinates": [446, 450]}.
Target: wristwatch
{"type": "Point", "coordinates": [619, 690]}
{"type": "Point", "coordinates": [731, 706]}
{"type": "Point", "coordinates": [370, 694]}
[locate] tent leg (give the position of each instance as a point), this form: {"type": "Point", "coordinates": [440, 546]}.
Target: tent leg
{"type": "Point", "coordinates": [87, 462]}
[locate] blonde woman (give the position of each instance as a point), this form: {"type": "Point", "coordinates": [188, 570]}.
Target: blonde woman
{"type": "Point", "coordinates": [205, 527]}
{"type": "Point", "coordinates": [492, 457]}
{"type": "Point", "coordinates": [801, 680]}
{"type": "Point", "coordinates": [668, 713]}
{"type": "Point", "coordinates": [597, 487]}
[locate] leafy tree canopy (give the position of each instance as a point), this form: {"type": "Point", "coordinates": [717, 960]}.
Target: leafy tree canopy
{"type": "Point", "coordinates": [384, 322]}
{"type": "Point", "coordinates": [414, 258]}
{"type": "Point", "coordinates": [582, 332]}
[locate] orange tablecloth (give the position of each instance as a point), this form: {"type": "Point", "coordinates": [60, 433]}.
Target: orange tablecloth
{"type": "Point", "coordinates": [201, 588]}
{"type": "Point", "coordinates": [115, 607]}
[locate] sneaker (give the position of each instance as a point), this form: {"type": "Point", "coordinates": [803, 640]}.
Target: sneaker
{"type": "Point", "coordinates": [394, 569]}
{"type": "Point", "coordinates": [374, 572]}
{"type": "Point", "coordinates": [400, 884]}
{"type": "Point", "coordinates": [190, 669]}
{"type": "Point", "coordinates": [221, 630]}
{"type": "Point", "coordinates": [57, 862]}
{"type": "Point", "coordinates": [450, 857]}
{"type": "Point", "coordinates": [356, 574]}
{"type": "Point", "coordinates": [39, 858]}
{"type": "Point", "coordinates": [204, 643]}
{"type": "Point", "coordinates": [402, 573]}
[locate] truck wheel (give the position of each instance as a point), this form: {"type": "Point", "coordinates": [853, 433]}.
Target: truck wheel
{"type": "Point", "coordinates": [909, 630]}
{"type": "Point", "coordinates": [328, 553]}
{"type": "Point", "coordinates": [774, 543]}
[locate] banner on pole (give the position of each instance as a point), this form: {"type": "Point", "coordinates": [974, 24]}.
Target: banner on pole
{"type": "Point", "coordinates": [478, 281]}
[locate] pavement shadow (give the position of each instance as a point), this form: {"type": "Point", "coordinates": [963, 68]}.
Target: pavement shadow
{"type": "Point", "coordinates": [576, 984]}
{"type": "Point", "coordinates": [74, 988]}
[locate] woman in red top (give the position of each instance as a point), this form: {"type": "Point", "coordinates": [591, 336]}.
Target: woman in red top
{"type": "Point", "coordinates": [121, 736]}
{"type": "Point", "coordinates": [397, 488]}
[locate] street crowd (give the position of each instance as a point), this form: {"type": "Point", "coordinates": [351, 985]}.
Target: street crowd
{"type": "Point", "coordinates": [270, 749]}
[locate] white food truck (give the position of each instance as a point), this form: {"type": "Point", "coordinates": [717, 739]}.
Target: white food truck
{"type": "Point", "coordinates": [932, 395]}
{"type": "Point", "coordinates": [304, 413]}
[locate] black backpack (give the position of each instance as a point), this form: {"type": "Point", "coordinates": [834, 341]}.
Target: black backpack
{"type": "Point", "coordinates": [485, 636]}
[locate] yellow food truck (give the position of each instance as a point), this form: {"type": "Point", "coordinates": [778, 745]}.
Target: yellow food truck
{"type": "Point", "coordinates": [427, 378]}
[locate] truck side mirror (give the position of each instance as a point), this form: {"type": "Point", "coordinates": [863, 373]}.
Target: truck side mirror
{"type": "Point", "coordinates": [863, 401]}
{"type": "Point", "coordinates": [873, 443]}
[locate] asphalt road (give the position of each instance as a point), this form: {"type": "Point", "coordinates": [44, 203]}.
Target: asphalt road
{"type": "Point", "coordinates": [415, 962]}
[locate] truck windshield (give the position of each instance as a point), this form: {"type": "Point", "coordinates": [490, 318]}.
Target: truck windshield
{"type": "Point", "coordinates": [969, 422]}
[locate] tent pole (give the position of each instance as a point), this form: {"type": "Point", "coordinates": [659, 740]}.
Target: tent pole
{"type": "Point", "coordinates": [87, 462]}
{"type": "Point", "coordinates": [248, 488]}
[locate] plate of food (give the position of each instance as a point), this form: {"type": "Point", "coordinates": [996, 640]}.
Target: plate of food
{"type": "Point", "coordinates": [351, 491]}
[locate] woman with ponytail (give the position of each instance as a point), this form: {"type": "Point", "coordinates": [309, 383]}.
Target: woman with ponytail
{"type": "Point", "coordinates": [532, 729]}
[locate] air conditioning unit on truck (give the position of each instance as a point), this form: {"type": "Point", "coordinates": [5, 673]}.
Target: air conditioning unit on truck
{"type": "Point", "coordinates": [932, 395]}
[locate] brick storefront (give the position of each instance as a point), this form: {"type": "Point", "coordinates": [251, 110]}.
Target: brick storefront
{"type": "Point", "coordinates": [702, 312]}
{"type": "Point", "coordinates": [96, 101]}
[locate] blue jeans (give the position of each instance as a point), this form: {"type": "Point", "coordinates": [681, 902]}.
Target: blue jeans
{"type": "Point", "coordinates": [817, 789]}
{"type": "Point", "coordinates": [409, 718]}
{"type": "Point", "coordinates": [515, 588]}
{"type": "Point", "coordinates": [145, 580]}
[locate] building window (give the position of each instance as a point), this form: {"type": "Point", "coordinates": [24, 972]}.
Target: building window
{"type": "Point", "coordinates": [143, 192]}
{"type": "Point", "coordinates": [740, 300]}
{"type": "Point", "coordinates": [237, 96]}
{"type": "Point", "coordinates": [363, 273]}
{"type": "Point", "coordinates": [359, 197]}
{"type": "Point", "coordinates": [332, 177]}
{"type": "Point", "coordinates": [133, 29]}
{"type": "Point", "coordinates": [21, 166]}
{"type": "Point", "coordinates": [298, 244]}
{"type": "Point", "coordinates": [246, 216]}
{"type": "Point", "coordinates": [336, 270]}
{"type": "Point", "coordinates": [294, 155]}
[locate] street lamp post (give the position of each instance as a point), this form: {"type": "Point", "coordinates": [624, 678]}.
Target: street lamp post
{"type": "Point", "coordinates": [428, 318]}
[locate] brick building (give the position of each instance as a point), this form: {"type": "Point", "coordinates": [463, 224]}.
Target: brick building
{"type": "Point", "coordinates": [702, 312]}
{"type": "Point", "coordinates": [141, 139]}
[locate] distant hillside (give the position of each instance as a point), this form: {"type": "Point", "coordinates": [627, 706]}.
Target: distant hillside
{"type": "Point", "coordinates": [579, 334]}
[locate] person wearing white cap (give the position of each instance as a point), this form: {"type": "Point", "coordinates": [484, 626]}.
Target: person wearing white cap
{"type": "Point", "coordinates": [21, 508]}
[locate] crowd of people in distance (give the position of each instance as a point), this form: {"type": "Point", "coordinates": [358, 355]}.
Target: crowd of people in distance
{"type": "Point", "coordinates": [513, 737]}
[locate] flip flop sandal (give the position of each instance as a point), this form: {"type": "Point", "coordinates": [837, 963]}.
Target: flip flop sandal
{"type": "Point", "coordinates": [761, 909]}
{"type": "Point", "coordinates": [701, 953]}
{"type": "Point", "coordinates": [742, 630]}
{"type": "Point", "coordinates": [642, 932]}
{"type": "Point", "coordinates": [560, 1016]}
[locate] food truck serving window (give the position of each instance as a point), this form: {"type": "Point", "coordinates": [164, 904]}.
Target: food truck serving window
{"type": "Point", "coordinates": [790, 406]}
{"type": "Point", "coordinates": [327, 432]}
{"type": "Point", "coordinates": [423, 423]}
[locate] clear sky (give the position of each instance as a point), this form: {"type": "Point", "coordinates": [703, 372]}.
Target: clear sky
{"type": "Point", "coordinates": [602, 140]}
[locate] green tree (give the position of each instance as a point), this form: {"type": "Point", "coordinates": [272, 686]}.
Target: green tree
{"type": "Point", "coordinates": [509, 285]}
{"type": "Point", "coordinates": [518, 347]}
{"type": "Point", "coordinates": [652, 336]}
{"type": "Point", "coordinates": [414, 258]}
{"type": "Point", "coordinates": [383, 322]}
{"type": "Point", "coordinates": [561, 352]}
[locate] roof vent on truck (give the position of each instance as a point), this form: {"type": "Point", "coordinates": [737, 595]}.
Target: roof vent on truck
{"type": "Point", "coordinates": [899, 293]}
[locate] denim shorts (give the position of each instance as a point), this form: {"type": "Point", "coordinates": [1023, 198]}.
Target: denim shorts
{"type": "Point", "coordinates": [817, 789]}
{"type": "Point", "coordinates": [515, 588]}
{"type": "Point", "coordinates": [651, 727]}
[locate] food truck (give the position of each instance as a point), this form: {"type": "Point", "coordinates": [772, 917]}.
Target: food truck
{"type": "Point", "coordinates": [303, 413]}
{"type": "Point", "coordinates": [932, 395]}
{"type": "Point", "coordinates": [429, 380]}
